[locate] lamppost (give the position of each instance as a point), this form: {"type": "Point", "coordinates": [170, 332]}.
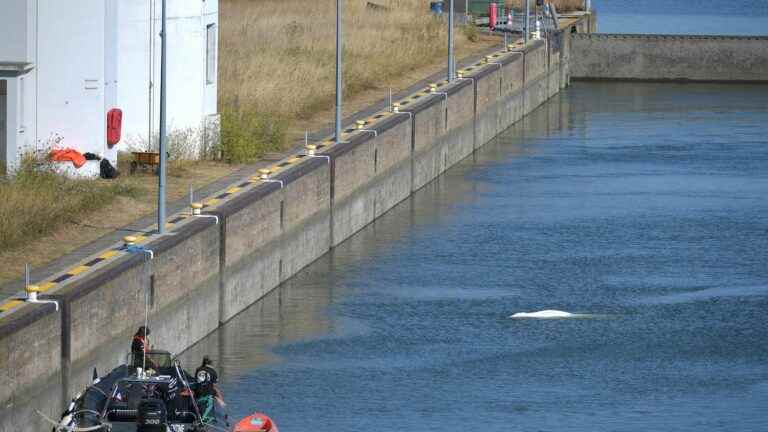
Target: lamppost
{"type": "Point", "coordinates": [526, 30]}
{"type": "Point", "coordinates": [338, 69]}
{"type": "Point", "coordinates": [451, 62]}
{"type": "Point", "coordinates": [163, 133]}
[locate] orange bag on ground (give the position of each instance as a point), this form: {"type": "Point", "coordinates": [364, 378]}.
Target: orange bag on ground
{"type": "Point", "coordinates": [68, 154]}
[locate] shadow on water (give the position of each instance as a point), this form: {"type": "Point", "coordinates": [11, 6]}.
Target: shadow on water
{"type": "Point", "coordinates": [611, 200]}
{"type": "Point", "coordinates": [302, 308]}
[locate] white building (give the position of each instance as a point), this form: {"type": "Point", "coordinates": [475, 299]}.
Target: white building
{"type": "Point", "coordinates": [64, 65]}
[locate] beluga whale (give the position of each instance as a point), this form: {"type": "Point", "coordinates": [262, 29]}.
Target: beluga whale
{"type": "Point", "coordinates": [547, 314]}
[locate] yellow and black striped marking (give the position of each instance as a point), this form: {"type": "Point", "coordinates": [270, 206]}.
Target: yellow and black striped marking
{"type": "Point", "coordinates": [117, 251]}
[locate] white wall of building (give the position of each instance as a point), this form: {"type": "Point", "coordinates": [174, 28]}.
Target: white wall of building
{"type": "Point", "coordinates": [98, 55]}
{"type": "Point", "coordinates": [191, 98]}
{"type": "Point", "coordinates": [3, 120]}
{"type": "Point", "coordinates": [70, 75]}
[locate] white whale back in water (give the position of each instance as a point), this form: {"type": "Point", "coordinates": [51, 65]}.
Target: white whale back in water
{"type": "Point", "coordinates": [546, 314]}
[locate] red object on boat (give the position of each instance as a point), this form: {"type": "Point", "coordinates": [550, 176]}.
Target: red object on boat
{"type": "Point", "coordinates": [68, 154]}
{"type": "Point", "coordinates": [492, 15]}
{"type": "Point", "coordinates": [114, 125]}
{"type": "Point", "coordinates": [256, 423]}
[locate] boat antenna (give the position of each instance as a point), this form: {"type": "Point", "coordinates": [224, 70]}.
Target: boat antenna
{"type": "Point", "coordinates": [189, 389]}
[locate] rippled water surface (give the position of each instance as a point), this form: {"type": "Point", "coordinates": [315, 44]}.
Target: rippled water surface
{"type": "Point", "coordinates": [643, 206]}
{"type": "Point", "coordinates": [735, 17]}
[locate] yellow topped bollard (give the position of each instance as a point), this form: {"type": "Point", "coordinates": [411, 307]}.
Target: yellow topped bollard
{"type": "Point", "coordinates": [32, 292]}
{"type": "Point", "coordinates": [197, 208]}
{"type": "Point", "coordinates": [264, 173]}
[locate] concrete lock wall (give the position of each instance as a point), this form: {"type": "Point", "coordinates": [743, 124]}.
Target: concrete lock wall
{"type": "Point", "coordinates": [554, 53]}
{"type": "Point", "coordinates": [180, 284]}
{"type": "Point", "coordinates": [429, 125]}
{"type": "Point", "coordinates": [488, 91]}
{"type": "Point", "coordinates": [565, 58]}
{"type": "Point", "coordinates": [210, 270]}
{"type": "Point", "coordinates": [443, 129]}
{"type": "Point", "coordinates": [306, 224]}
{"type": "Point", "coordinates": [252, 228]}
{"type": "Point", "coordinates": [512, 85]}
{"type": "Point", "coordinates": [30, 352]}
{"type": "Point", "coordinates": [535, 75]}
{"type": "Point", "coordinates": [670, 58]}
{"type": "Point", "coordinates": [371, 174]}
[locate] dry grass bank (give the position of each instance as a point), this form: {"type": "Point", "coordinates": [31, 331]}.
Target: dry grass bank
{"type": "Point", "coordinates": [276, 79]}
{"type": "Point", "coordinates": [278, 61]}
{"type": "Point", "coordinates": [45, 216]}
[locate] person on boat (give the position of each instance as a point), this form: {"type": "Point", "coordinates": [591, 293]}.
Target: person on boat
{"type": "Point", "coordinates": [140, 347]}
{"type": "Point", "coordinates": [206, 390]}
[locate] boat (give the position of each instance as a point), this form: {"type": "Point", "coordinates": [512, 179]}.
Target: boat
{"type": "Point", "coordinates": [158, 398]}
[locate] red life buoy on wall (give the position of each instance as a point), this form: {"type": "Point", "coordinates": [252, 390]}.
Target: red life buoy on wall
{"type": "Point", "coordinates": [492, 15]}
{"type": "Point", "coordinates": [114, 125]}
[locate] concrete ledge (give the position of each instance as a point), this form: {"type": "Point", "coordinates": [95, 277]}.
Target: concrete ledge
{"type": "Point", "coordinates": [306, 219]}
{"type": "Point", "coordinates": [488, 87]}
{"type": "Point", "coordinates": [675, 58]}
{"type": "Point", "coordinates": [30, 351]}
{"type": "Point", "coordinates": [180, 283]}
{"type": "Point", "coordinates": [512, 85]}
{"type": "Point", "coordinates": [429, 125]}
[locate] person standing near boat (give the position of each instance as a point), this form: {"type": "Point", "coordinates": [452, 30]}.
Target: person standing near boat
{"type": "Point", "coordinates": [140, 346]}
{"type": "Point", "coordinates": [206, 391]}
{"type": "Point", "coordinates": [206, 379]}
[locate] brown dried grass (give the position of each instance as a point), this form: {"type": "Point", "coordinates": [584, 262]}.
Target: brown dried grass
{"type": "Point", "coordinates": [278, 60]}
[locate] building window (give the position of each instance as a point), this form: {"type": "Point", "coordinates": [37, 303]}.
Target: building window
{"type": "Point", "coordinates": [210, 54]}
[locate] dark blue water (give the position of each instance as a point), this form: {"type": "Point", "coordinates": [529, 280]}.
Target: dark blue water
{"type": "Point", "coordinates": [643, 206]}
{"type": "Point", "coordinates": [736, 17]}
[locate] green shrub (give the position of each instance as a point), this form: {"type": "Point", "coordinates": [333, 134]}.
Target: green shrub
{"type": "Point", "coordinates": [470, 32]}
{"type": "Point", "coordinates": [248, 134]}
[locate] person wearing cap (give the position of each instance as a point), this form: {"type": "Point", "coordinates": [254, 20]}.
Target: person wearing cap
{"type": "Point", "coordinates": [140, 346]}
{"type": "Point", "coordinates": [206, 390]}
{"type": "Point", "coordinates": [206, 378]}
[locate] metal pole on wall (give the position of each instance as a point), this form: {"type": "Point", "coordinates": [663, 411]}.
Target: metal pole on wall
{"type": "Point", "coordinates": [527, 22]}
{"type": "Point", "coordinates": [338, 69]}
{"type": "Point", "coordinates": [451, 64]}
{"type": "Point", "coordinates": [163, 132]}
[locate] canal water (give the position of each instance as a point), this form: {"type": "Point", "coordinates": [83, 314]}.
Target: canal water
{"type": "Point", "coordinates": [641, 207]}
{"type": "Point", "coordinates": [712, 17]}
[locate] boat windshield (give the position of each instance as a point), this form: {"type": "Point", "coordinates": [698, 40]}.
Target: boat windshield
{"type": "Point", "coordinates": [155, 359]}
